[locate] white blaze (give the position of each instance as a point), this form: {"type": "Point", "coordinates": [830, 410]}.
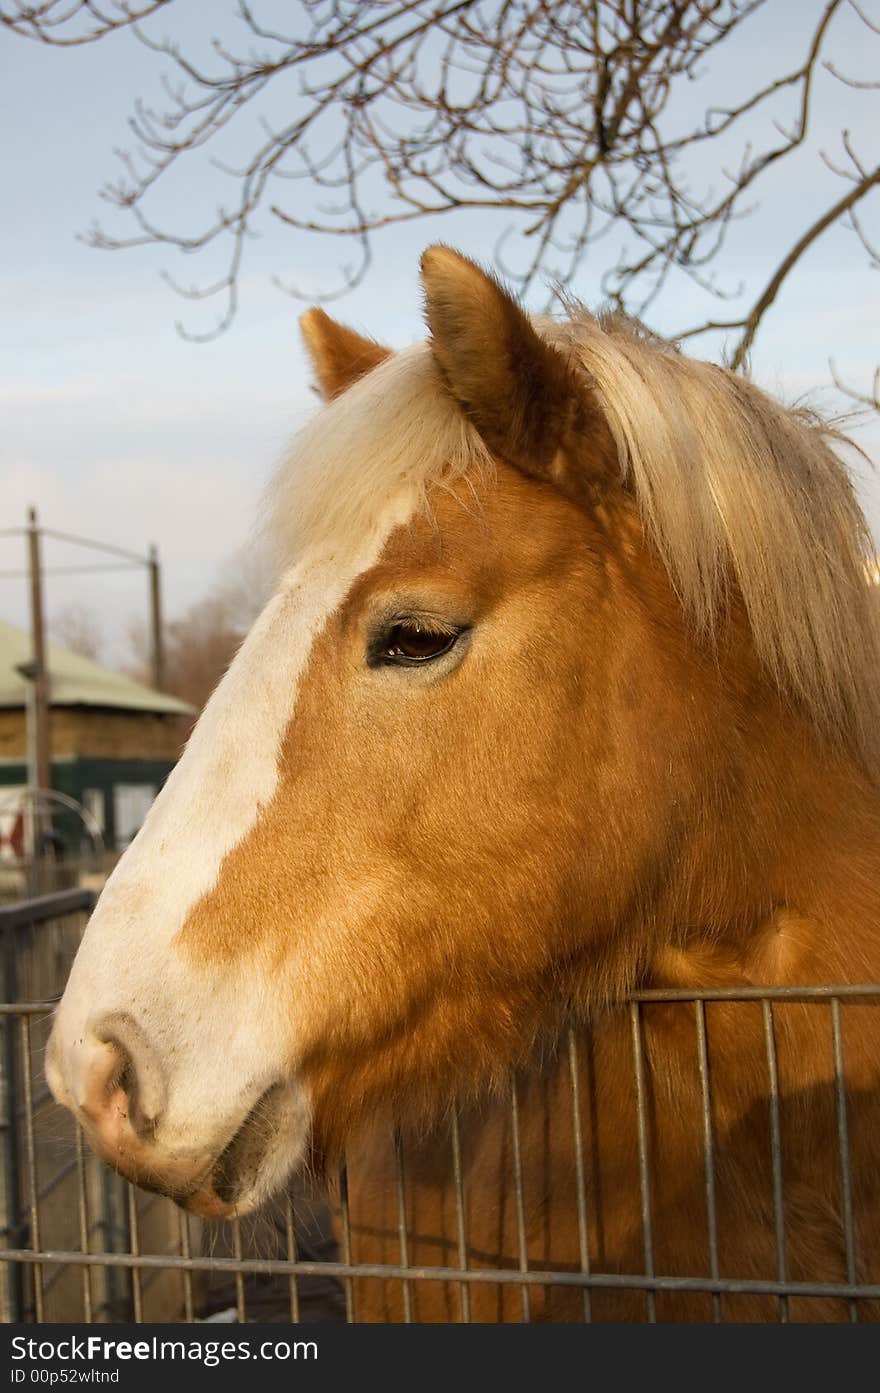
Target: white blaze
{"type": "Point", "coordinates": [216, 1031]}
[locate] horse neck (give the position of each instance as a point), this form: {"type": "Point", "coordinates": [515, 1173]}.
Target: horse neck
{"type": "Point", "coordinates": [782, 883]}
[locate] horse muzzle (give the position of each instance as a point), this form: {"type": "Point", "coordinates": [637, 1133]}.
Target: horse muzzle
{"type": "Point", "coordinates": [113, 1083]}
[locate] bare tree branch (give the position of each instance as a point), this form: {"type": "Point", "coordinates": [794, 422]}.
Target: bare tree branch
{"type": "Point", "coordinates": [869, 399]}
{"type": "Point", "coordinates": [751, 322]}
{"type": "Point", "coordinates": [564, 115]}
{"type": "Point", "coordinates": [47, 22]}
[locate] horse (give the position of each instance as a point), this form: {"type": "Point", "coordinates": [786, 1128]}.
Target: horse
{"type": "Point", "coordinates": [567, 691]}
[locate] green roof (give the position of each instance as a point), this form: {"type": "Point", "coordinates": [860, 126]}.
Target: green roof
{"type": "Point", "coordinates": [75, 680]}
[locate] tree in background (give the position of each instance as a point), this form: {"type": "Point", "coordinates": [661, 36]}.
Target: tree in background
{"type": "Point", "coordinates": [78, 629]}
{"type": "Point", "coordinates": [199, 646]}
{"type": "Point", "coordinates": [568, 116]}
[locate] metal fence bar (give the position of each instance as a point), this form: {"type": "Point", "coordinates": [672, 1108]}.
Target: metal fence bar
{"type": "Point", "coordinates": [580, 1176]}
{"type": "Point", "coordinates": [12, 1216]}
{"type": "Point", "coordinates": [644, 1171]}
{"type": "Point", "coordinates": [114, 1225]}
{"type": "Point", "coordinates": [520, 1202]}
{"type": "Point", "coordinates": [31, 1153]}
{"type": "Point", "coordinates": [27, 1008]}
{"type": "Point", "coordinates": [401, 1225]}
{"type": "Point", "coordinates": [290, 1234]}
{"type": "Point", "coordinates": [843, 1140]}
{"type": "Point", "coordinates": [460, 1217]}
{"type": "Point", "coordinates": [502, 1276]}
{"type": "Point", "coordinates": [775, 1152]}
{"type": "Point", "coordinates": [346, 1241]}
{"type": "Point", "coordinates": [58, 905]}
{"type": "Point", "coordinates": [134, 1243]}
{"type": "Point", "coordinates": [708, 1149]}
{"type": "Point", "coordinates": [240, 1305]}
{"type": "Point", "coordinates": [844, 991]}
{"type": "Point", "coordinates": [17, 925]}
{"type": "Point", "coordinates": [83, 1214]}
{"type": "Point", "coordinates": [183, 1239]}
{"type": "Point", "coordinates": [820, 993]}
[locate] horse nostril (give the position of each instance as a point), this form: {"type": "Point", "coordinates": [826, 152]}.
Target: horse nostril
{"type": "Point", "coordinates": [98, 1067]}
{"type": "Point", "coordinates": [124, 1063]}
{"type": "Point", "coordinates": [123, 1076]}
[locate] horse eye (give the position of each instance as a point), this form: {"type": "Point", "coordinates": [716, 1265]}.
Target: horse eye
{"type": "Point", "coordinates": [415, 642]}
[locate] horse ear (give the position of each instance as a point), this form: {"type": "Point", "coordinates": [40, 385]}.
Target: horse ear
{"type": "Point", "coordinates": [520, 392]}
{"type": "Point", "coordinates": [339, 355]}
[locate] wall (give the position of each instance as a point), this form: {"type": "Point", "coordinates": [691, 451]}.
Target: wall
{"type": "Point", "coordinates": [99, 733]}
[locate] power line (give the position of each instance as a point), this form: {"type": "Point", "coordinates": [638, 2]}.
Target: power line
{"type": "Point", "coordinates": [75, 570]}
{"type": "Point", "coordinates": [131, 556]}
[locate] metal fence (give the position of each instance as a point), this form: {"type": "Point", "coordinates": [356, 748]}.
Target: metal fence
{"type": "Point", "coordinates": [82, 1245]}
{"type": "Point", "coordinates": [54, 1193]}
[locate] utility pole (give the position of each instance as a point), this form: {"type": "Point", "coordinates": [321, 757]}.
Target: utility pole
{"type": "Point", "coordinates": [42, 746]}
{"type": "Point", "coordinates": [157, 644]}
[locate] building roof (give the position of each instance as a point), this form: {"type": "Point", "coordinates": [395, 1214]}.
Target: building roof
{"type": "Point", "coordinates": [75, 680]}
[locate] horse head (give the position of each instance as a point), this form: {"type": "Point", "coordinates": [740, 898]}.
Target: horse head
{"type": "Point", "coordinates": [489, 747]}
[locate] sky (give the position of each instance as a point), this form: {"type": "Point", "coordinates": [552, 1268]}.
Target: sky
{"type": "Point", "coordinates": [116, 428]}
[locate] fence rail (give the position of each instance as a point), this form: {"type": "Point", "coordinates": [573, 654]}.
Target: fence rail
{"type": "Point", "coordinates": [81, 1244]}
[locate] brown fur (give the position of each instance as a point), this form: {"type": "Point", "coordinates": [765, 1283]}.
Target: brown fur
{"type": "Point", "coordinates": [815, 1247]}
{"type": "Point", "coordinates": [681, 835]}
{"type": "Point", "coordinates": [600, 796]}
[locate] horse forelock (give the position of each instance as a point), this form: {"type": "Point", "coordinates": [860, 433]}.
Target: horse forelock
{"type": "Point", "coordinates": [388, 438]}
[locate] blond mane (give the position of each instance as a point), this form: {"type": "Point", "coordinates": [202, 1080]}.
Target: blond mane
{"type": "Point", "coordinates": [736, 491]}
